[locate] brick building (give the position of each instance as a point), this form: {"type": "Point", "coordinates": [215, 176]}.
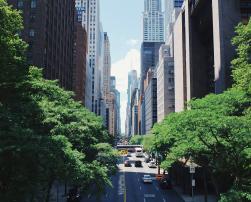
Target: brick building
{"type": "Point", "coordinates": [49, 31]}
{"type": "Point", "coordinates": [79, 71]}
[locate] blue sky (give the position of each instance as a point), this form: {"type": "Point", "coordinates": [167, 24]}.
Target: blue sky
{"type": "Point", "coordinates": [122, 20]}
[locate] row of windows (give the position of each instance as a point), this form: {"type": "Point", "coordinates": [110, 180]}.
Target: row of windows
{"type": "Point", "coordinates": [20, 4]}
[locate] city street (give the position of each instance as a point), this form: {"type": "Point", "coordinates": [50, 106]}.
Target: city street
{"type": "Point", "coordinates": [129, 187]}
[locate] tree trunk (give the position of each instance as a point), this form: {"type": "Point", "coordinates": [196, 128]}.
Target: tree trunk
{"type": "Point", "coordinates": [205, 184]}
{"type": "Point", "coordinates": [216, 188]}
{"type": "Point", "coordinates": [48, 192]}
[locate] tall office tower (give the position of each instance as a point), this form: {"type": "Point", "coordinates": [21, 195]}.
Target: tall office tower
{"type": "Point", "coordinates": [134, 112]}
{"type": "Point", "coordinates": [113, 102]}
{"type": "Point", "coordinates": [153, 21]}
{"type": "Point", "coordinates": [81, 5]}
{"type": "Point", "coordinates": [49, 31]}
{"type": "Point", "coordinates": [172, 9]}
{"type": "Point", "coordinates": [106, 67]}
{"type": "Point", "coordinates": [203, 49]}
{"type": "Point", "coordinates": [132, 85]}
{"type": "Point", "coordinates": [91, 22]}
{"type": "Point", "coordinates": [117, 105]}
{"type": "Point", "coordinates": [165, 83]}
{"type": "Point", "coordinates": [150, 96]}
{"type": "Point", "coordinates": [149, 59]}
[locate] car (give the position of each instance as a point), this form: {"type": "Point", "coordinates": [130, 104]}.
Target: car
{"type": "Point", "coordinates": [73, 195]}
{"type": "Point", "coordinates": [152, 164]}
{"type": "Point", "coordinates": [147, 179]}
{"type": "Point", "coordinates": [138, 164]}
{"type": "Point", "coordinates": [165, 184]}
{"type": "Point", "coordinates": [127, 164]}
{"type": "Point", "coordinates": [129, 155]}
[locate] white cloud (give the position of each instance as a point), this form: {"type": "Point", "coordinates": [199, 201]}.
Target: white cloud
{"type": "Point", "coordinates": [120, 69]}
{"type": "Point", "coordinates": [132, 42]}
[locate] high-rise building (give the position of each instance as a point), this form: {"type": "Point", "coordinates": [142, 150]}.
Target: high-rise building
{"type": "Point", "coordinates": [149, 58]}
{"type": "Point", "coordinates": [91, 22]}
{"type": "Point", "coordinates": [81, 6]}
{"type": "Point", "coordinates": [153, 21]}
{"type": "Point", "coordinates": [172, 9]}
{"type": "Point", "coordinates": [165, 83]}
{"type": "Point", "coordinates": [203, 49]}
{"type": "Point", "coordinates": [132, 85]}
{"type": "Point", "coordinates": [49, 48]}
{"type": "Point", "coordinates": [113, 103]}
{"type": "Point", "coordinates": [150, 96]}
{"type": "Point", "coordinates": [134, 112]}
{"type": "Point", "coordinates": [106, 67]}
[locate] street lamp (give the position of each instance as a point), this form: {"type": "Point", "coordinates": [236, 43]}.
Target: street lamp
{"type": "Point", "coordinates": [192, 172]}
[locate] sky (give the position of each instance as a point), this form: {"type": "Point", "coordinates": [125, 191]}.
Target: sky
{"type": "Point", "coordinates": [122, 20]}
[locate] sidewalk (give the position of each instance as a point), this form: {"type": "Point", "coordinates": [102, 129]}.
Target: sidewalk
{"type": "Point", "coordinates": [197, 198]}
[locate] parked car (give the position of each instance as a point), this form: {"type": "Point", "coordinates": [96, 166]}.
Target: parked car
{"type": "Point", "coordinates": [165, 184]}
{"type": "Point", "coordinates": [147, 179]}
{"type": "Point", "coordinates": [147, 159]}
{"type": "Point", "coordinates": [127, 164]}
{"type": "Point", "coordinates": [73, 195]}
{"type": "Point", "coordinates": [129, 155]}
{"type": "Point", "coordinates": [152, 164]}
{"type": "Point", "coordinates": [138, 164]}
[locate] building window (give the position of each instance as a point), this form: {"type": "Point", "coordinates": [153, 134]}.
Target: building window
{"type": "Point", "coordinates": [20, 3]}
{"type": "Point", "coordinates": [32, 33]}
{"type": "Point", "coordinates": [33, 3]}
{"type": "Point", "coordinates": [32, 18]}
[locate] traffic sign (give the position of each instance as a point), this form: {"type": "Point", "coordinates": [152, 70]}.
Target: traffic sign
{"type": "Point", "coordinates": [193, 183]}
{"type": "Point", "coordinates": [192, 169]}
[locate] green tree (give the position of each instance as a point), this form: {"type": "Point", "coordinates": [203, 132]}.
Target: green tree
{"type": "Point", "coordinates": [215, 131]}
{"type": "Point", "coordinates": [136, 139]}
{"type": "Point", "coordinates": [45, 136]}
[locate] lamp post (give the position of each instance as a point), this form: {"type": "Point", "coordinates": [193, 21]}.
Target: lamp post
{"type": "Point", "coordinates": [192, 172]}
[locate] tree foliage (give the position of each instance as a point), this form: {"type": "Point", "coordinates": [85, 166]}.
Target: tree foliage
{"type": "Point", "coordinates": [215, 131]}
{"type": "Point", "coordinates": [136, 139]}
{"type": "Point", "coordinates": [45, 136]}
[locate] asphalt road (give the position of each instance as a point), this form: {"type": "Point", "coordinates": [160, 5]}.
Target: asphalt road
{"type": "Point", "coordinates": [128, 187]}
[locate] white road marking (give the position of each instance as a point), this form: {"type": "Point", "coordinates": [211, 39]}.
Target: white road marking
{"type": "Point", "coordinates": [149, 195]}
{"type": "Point", "coordinates": [156, 187]}
{"type": "Point", "coordinates": [164, 200]}
{"type": "Point", "coordinates": [140, 187]}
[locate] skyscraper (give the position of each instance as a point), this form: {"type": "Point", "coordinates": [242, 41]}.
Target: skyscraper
{"type": "Point", "coordinates": [132, 85]}
{"type": "Point", "coordinates": [106, 67]}
{"type": "Point", "coordinates": [172, 9]}
{"type": "Point", "coordinates": [153, 21]}
{"type": "Point", "coordinates": [91, 22]}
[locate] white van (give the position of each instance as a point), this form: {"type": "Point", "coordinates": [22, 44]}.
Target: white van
{"type": "Point", "coordinates": [139, 152]}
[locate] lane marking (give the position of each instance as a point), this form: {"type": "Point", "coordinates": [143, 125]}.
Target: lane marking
{"type": "Point", "coordinates": [124, 187]}
{"type": "Point", "coordinates": [140, 187]}
{"type": "Point", "coordinates": [156, 187]}
{"type": "Point", "coordinates": [164, 200]}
